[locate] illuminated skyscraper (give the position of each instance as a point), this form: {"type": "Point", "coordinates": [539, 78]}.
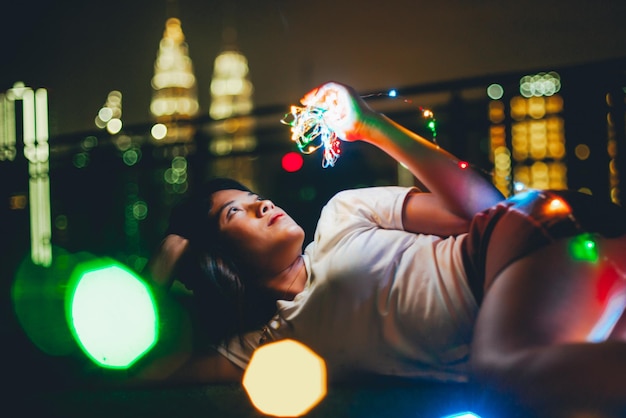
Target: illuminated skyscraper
{"type": "Point", "coordinates": [174, 97]}
{"type": "Point", "coordinates": [231, 105]}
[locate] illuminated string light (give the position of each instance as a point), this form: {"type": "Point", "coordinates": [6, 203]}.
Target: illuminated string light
{"type": "Point", "coordinates": [558, 206]}
{"type": "Point", "coordinates": [583, 248]}
{"type": "Point", "coordinates": [431, 122]}
{"type": "Point", "coordinates": [518, 186]}
{"type": "Point", "coordinates": [310, 132]}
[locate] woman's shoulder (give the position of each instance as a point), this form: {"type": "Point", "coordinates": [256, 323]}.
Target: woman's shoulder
{"type": "Point", "coordinates": [363, 193]}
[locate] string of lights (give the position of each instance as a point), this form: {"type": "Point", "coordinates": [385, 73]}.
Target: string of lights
{"type": "Point", "coordinates": [310, 131]}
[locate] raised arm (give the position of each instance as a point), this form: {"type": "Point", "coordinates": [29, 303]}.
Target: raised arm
{"type": "Point", "coordinates": [160, 269]}
{"type": "Point", "coordinates": [173, 360]}
{"type": "Point", "coordinates": [462, 191]}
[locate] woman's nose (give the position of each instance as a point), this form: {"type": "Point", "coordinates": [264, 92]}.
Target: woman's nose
{"type": "Point", "coordinates": [264, 206]}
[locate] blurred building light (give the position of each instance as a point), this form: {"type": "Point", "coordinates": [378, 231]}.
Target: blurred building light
{"type": "Point", "coordinates": [174, 96]}
{"type": "Point", "coordinates": [231, 102]}
{"type": "Point", "coordinates": [114, 126]}
{"type": "Point", "coordinates": [8, 140]}
{"type": "Point", "coordinates": [105, 114]}
{"type": "Point", "coordinates": [541, 84]}
{"type": "Point", "coordinates": [89, 143]}
{"type": "Point", "coordinates": [131, 156]}
{"type": "Point", "coordinates": [158, 131]}
{"type": "Point", "coordinates": [537, 152]}
{"type": "Point", "coordinates": [231, 90]}
{"type": "Point", "coordinates": [37, 152]}
{"type": "Point", "coordinates": [80, 160]}
{"type": "Point", "coordinates": [123, 142]}
{"type": "Point", "coordinates": [140, 210]}
{"type": "Point", "coordinates": [495, 91]}
{"type": "Point", "coordinates": [109, 112]}
{"type": "Point", "coordinates": [176, 176]}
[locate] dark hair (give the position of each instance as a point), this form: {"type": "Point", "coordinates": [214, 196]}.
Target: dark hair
{"type": "Point", "coordinates": [226, 302]}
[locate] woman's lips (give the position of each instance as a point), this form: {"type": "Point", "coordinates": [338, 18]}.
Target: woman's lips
{"type": "Point", "coordinates": [274, 218]}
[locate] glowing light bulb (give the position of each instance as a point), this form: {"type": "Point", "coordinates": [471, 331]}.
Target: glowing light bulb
{"type": "Point", "coordinates": [556, 203]}
{"type": "Point", "coordinates": [557, 206]}
{"type": "Point", "coordinates": [111, 313]}
{"type": "Point", "coordinates": [463, 415]}
{"type": "Point", "coordinates": [285, 379]}
{"type": "Point", "coordinates": [463, 165]}
{"type": "Point", "coordinates": [584, 248]}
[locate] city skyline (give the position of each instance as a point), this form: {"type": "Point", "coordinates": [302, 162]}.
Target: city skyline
{"type": "Point", "coordinates": [291, 48]}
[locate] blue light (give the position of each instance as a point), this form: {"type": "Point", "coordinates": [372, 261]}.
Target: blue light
{"type": "Point", "coordinates": [463, 415]}
{"type": "Point", "coordinates": [518, 186]}
{"type": "Point", "coordinates": [393, 93]}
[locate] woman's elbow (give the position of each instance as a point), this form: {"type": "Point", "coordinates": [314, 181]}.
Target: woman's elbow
{"type": "Point", "coordinates": [498, 370]}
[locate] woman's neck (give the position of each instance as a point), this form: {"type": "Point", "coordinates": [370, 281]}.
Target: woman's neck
{"type": "Point", "coordinates": [290, 281]}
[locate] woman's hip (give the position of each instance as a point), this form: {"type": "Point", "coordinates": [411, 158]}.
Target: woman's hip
{"type": "Point", "coordinates": [529, 221]}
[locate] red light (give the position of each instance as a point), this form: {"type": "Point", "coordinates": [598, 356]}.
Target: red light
{"type": "Point", "coordinates": [292, 162]}
{"type": "Point", "coordinates": [463, 165]}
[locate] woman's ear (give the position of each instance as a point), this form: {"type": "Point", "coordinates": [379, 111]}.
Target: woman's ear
{"type": "Point", "coordinates": [163, 262]}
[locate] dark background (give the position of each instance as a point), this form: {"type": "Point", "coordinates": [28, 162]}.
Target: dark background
{"type": "Point", "coordinates": [81, 50]}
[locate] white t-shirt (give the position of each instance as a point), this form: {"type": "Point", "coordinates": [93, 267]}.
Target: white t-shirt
{"type": "Point", "coordinates": [379, 300]}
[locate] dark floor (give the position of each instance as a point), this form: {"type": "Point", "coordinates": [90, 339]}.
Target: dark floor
{"type": "Point", "coordinates": [41, 388]}
{"type": "Point", "coordinates": [37, 385]}
{"type": "Point", "coordinates": [394, 400]}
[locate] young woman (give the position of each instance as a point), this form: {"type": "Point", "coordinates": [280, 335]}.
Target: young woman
{"type": "Point", "coordinates": [525, 295]}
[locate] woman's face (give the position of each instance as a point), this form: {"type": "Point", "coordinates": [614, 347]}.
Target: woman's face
{"type": "Point", "coordinates": [262, 235]}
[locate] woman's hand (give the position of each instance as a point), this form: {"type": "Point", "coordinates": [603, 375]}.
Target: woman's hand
{"type": "Point", "coordinates": [163, 263]}
{"type": "Point", "coordinates": [345, 111]}
{"type": "Point", "coordinates": [462, 192]}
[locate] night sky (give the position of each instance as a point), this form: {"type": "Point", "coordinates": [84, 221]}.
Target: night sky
{"type": "Point", "coordinates": [81, 50]}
